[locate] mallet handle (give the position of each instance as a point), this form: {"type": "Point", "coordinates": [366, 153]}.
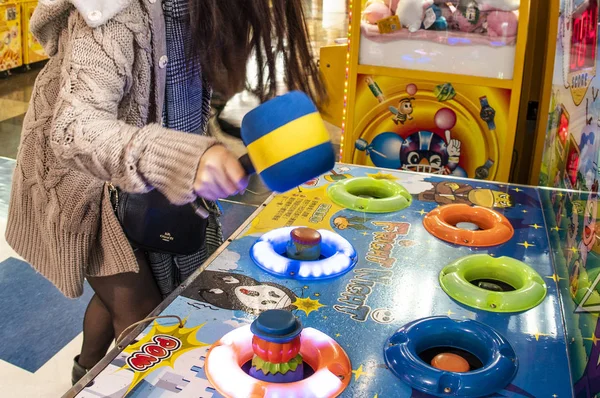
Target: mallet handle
{"type": "Point", "coordinates": [247, 164]}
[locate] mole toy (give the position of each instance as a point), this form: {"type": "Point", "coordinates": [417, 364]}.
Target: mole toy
{"type": "Point", "coordinates": [276, 345]}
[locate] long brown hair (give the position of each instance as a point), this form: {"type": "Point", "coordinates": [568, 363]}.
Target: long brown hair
{"type": "Point", "coordinates": [226, 33]}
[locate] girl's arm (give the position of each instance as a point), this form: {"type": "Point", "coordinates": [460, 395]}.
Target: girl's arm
{"type": "Point", "coordinates": [87, 134]}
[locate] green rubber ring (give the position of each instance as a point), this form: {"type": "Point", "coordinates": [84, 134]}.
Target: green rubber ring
{"type": "Point", "coordinates": [530, 288]}
{"type": "Point", "coordinates": [370, 195]}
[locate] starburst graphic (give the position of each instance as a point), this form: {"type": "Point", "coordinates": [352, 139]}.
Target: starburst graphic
{"type": "Point", "coordinates": [358, 373]}
{"type": "Point", "coordinates": [537, 335]}
{"type": "Point", "coordinates": [526, 244]}
{"type": "Point", "coordinates": [422, 212]}
{"type": "Point", "coordinates": [593, 339]}
{"type": "Point", "coordinates": [555, 278]}
{"type": "Point", "coordinates": [160, 348]}
{"type": "Point", "coordinates": [555, 228]}
{"type": "Point", "coordinates": [574, 250]}
{"type": "Point", "coordinates": [535, 226]}
{"type": "Point", "coordinates": [383, 176]}
{"type": "Point", "coordinates": [524, 211]}
{"type": "Point", "coordinates": [307, 305]}
{"type": "Point", "coordinates": [517, 190]}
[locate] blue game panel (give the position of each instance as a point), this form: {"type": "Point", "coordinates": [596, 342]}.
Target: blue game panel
{"type": "Point", "coordinates": [394, 283]}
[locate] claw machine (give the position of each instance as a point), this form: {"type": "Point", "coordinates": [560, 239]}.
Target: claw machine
{"type": "Point", "coordinates": [33, 51]}
{"type": "Point", "coordinates": [11, 54]}
{"type": "Point", "coordinates": [434, 85]}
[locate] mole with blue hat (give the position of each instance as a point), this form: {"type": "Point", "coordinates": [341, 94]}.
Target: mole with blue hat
{"type": "Point", "coordinates": [276, 346]}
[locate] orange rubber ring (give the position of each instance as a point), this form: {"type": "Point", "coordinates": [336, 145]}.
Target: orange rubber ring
{"type": "Point", "coordinates": [495, 229]}
{"type": "Point", "coordinates": [224, 361]}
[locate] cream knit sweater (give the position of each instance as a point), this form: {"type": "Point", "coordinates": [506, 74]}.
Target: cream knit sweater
{"type": "Point", "coordinates": [92, 119]}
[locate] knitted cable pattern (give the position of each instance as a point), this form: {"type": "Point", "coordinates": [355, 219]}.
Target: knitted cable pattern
{"type": "Point", "coordinates": [92, 120]}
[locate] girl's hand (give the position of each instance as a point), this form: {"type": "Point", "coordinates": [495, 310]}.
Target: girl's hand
{"type": "Point", "coordinates": [220, 174]}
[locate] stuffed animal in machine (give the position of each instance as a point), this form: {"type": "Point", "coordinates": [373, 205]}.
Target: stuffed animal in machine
{"type": "Point", "coordinates": [412, 13]}
{"type": "Point", "coordinates": [499, 5]}
{"type": "Point", "coordinates": [376, 10]}
{"type": "Point", "coordinates": [435, 18]}
{"type": "Point", "coordinates": [422, 14]}
{"type": "Point", "coordinates": [502, 23]}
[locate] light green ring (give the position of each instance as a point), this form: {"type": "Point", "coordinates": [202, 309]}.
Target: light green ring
{"type": "Point", "coordinates": [530, 287]}
{"type": "Point", "coordinates": [394, 196]}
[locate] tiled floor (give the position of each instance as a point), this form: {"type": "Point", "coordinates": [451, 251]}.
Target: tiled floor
{"type": "Point", "coordinates": [41, 330]}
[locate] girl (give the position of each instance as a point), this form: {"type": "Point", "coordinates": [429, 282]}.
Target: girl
{"type": "Point", "coordinates": [125, 99]}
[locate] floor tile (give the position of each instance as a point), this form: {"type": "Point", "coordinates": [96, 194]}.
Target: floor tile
{"type": "Point", "coordinates": [11, 108]}
{"type": "Point", "coordinates": [33, 307]}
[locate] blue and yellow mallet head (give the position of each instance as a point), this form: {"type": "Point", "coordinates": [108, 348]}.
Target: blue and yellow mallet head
{"type": "Point", "coordinates": [287, 142]}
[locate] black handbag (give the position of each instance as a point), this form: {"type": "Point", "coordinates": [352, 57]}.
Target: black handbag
{"type": "Point", "coordinates": [153, 224]}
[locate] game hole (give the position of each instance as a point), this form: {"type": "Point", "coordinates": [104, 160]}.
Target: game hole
{"type": "Point", "coordinates": [494, 279]}
{"type": "Point", "coordinates": [467, 226]}
{"type": "Point", "coordinates": [493, 285]}
{"type": "Point", "coordinates": [429, 354]}
{"type": "Point", "coordinates": [470, 222]}
{"type": "Point", "coordinates": [370, 195]}
{"type": "Point", "coordinates": [370, 192]}
{"type": "Point", "coordinates": [502, 284]}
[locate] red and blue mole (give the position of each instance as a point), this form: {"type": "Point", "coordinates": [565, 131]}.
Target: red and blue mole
{"type": "Point", "coordinates": [276, 346]}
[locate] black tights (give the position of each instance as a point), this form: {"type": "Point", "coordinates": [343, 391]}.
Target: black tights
{"type": "Point", "coordinates": [119, 301]}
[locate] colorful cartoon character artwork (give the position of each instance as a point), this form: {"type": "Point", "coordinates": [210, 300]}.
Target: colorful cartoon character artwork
{"type": "Point", "coordinates": [444, 92]}
{"type": "Point", "coordinates": [572, 234]}
{"type": "Point", "coordinates": [445, 193]}
{"type": "Point", "coordinates": [355, 223]}
{"type": "Point", "coordinates": [404, 111]}
{"type": "Point", "coordinates": [239, 292]}
{"type": "Point", "coordinates": [574, 278]}
{"type": "Point", "coordinates": [588, 157]}
{"type": "Point", "coordinates": [589, 384]}
{"type": "Point", "coordinates": [423, 151]}
{"type": "Point", "coordinates": [339, 175]}
{"type": "Point", "coordinates": [589, 228]}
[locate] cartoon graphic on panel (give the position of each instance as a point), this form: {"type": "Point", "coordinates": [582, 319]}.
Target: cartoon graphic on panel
{"type": "Point", "coordinates": [240, 292]}
{"type": "Point", "coordinates": [437, 128]}
{"type": "Point", "coordinates": [445, 193]}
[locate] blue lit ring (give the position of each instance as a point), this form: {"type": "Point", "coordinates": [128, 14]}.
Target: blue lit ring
{"type": "Point", "coordinates": [494, 351]}
{"type": "Point", "coordinates": [339, 255]}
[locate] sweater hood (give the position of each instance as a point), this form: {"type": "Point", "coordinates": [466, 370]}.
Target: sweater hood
{"type": "Point", "coordinates": [51, 16]}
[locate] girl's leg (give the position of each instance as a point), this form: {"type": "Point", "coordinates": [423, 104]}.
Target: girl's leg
{"type": "Point", "coordinates": [98, 333]}
{"type": "Point", "coordinates": [126, 298]}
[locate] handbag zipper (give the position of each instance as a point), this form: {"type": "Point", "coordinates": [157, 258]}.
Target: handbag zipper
{"type": "Point", "coordinates": [114, 196]}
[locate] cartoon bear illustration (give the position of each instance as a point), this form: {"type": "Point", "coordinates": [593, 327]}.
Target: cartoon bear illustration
{"type": "Point", "coordinates": [239, 292]}
{"type": "Point", "coordinates": [445, 193]}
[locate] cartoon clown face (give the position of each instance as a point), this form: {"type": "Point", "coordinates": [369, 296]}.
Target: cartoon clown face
{"type": "Point", "coordinates": [490, 198]}
{"type": "Point", "coordinates": [589, 223]}
{"type": "Point", "coordinates": [427, 152]}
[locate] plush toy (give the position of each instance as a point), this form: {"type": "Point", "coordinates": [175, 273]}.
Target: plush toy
{"type": "Point", "coordinates": [468, 17]}
{"type": "Point", "coordinates": [499, 5]}
{"type": "Point", "coordinates": [376, 10]}
{"type": "Point", "coordinates": [435, 19]}
{"type": "Point", "coordinates": [502, 23]}
{"type": "Point", "coordinates": [412, 13]}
